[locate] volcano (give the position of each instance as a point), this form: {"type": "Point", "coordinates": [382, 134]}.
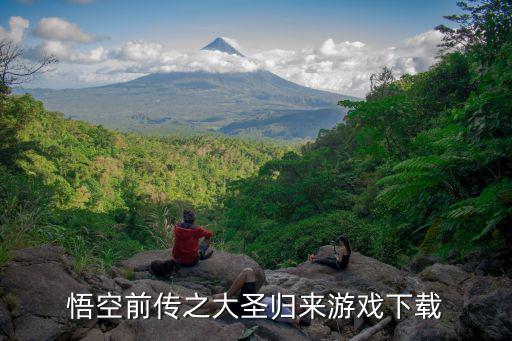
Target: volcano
{"type": "Point", "coordinates": [221, 44]}
{"type": "Point", "coordinates": [255, 104]}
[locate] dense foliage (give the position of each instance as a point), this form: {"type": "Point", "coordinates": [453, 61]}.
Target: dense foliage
{"type": "Point", "coordinates": [423, 165]}
{"type": "Point", "coordinates": [104, 194]}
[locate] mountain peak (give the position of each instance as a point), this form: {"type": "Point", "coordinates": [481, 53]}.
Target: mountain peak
{"type": "Point", "coordinates": [223, 44]}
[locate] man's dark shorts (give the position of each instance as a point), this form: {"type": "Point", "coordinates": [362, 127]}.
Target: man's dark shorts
{"type": "Point", "coordinates": [249, 288]}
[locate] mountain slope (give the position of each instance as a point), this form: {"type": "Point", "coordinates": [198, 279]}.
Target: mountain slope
{"type": "Point", "coordinates": [199, 101]}
{"type": "Point", "coordinates": [232, 103]}
{"type": "Point", "coordinates": [220, 44]}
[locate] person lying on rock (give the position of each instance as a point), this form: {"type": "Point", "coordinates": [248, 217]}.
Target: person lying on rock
{"type": "Point", "coordinates": [336, 262]}
{"type": "Point", "coordinates": [245, 284]}
{"type": "Point", "coordinates": [191, 243]}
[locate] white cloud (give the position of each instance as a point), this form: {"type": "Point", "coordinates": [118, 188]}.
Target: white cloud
{"type": "Point", "coordinates": [152, 57]}
{"type": "Point", "coordinates": [139, 51]}
{"type": "Point", "coordinates": [62, 30]}
{"type": "Point", "coordinates": [65, 52]}
{"type": "Point", "coordinates": [342, 67]}
{"type": "Point", "coordinates": [17, 27]}
{"type": "Point", "coordinates": [345, 67]}
{"type": "Point", "coordinates": [234, 43]}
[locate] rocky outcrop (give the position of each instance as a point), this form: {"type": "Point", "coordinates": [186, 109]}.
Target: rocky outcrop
{"type": "Point", "coordinates": [36, 284]}
{"type": "Point", "coordinates": [170, 329]}
{"type": "Point", "coordinates": [209, 276]}
{"type": "Point", "coordinates": [364, 274]}
{"type": "Point", "coordinates": [487, 310]}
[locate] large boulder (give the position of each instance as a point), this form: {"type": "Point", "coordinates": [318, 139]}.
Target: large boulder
{"type": "Point", "coordinates": [37, 284]}
{"type": "Point", "coordinates": [487, 311]}
{"type": "Point", "coordinates": [142, 260]}
{"type": "Point", "coordinates": [448, 274]}
{"type": "Point", "coordinates": [363, 274]}
{"type": "Point", "coordinates": [170, 329]}
{"type": "Point", "coordinates": [214, 274]}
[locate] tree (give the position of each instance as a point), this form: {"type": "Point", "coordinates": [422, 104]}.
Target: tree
{"type": "Point", "coordinates": [380, 84]}
{"type": "Point", "coordinates": [15, 69]}
{"type": "Point", "coordinates": [484, 27]}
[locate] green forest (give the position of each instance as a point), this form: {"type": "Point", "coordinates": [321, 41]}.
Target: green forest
{"type": "Point", "coordinates": [105, 195]}
{"type": "Point", "coordinates": [421, 166]}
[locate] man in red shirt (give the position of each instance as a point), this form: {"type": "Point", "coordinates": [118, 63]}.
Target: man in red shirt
{"type": "Point", "coordinates": [190, 241]}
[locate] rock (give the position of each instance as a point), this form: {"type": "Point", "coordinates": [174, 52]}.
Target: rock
{"type": "Point", "coordinates": [42, 254]}
{"type": "Point", "coordinates": [451, 297]}
{"type": "Point", "coordinates": [100, 284]}
{"type": "Point", "coordinates": [96, 335]}
{"type": "Point", "coordinates": [269, 290]}
{"type": "Point", "coordinates": [142, 260]}
{"type": "Point", "coordinates": [318, 332]}
{"type": "Point", "coordinates": [150, 287]}
{"type": "Point", "coordinates": [279, 280]}
{"type": "Point", "coordinates": [487, 311]}
{"type": "Point", "coordinates": [363, 275]}
{"type": "Point", "coordinates": [40, 282]}
{"type": "Point", "coordinates": [417, 329]}
{"type": "Point", "coordinates": [358, 323]}
{"type": "Point", "coordinates": [123, 282]}
{"type": "Point", "coordinates": [481, 285]}
{"type": "Point", "coordinates": [191, 287]}
{"type": "Point", "coordinates": [219, 271]}
{"type": "Point", "coordinates": [421, 262]}
{"type": "Point", "coordinates": [337, 325]}
{"type": "Point", "coordinates": [34, 328]}
{"type": "Point", "coordinates": [42, 289]}
{"type": "Point", "coordinates": [6, 326]}
{"type": "Point", "coordinates": [170, 329]}
{"type": "Point", "coordinates": [184, 291]}
{"type": "Point", "coordinates": [272, 330]}
{"type": "Point", "coordinates": [447, 274]}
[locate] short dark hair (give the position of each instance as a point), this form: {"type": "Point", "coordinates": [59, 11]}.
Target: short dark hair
{"type": "Point", "coordinates": [189, 216]}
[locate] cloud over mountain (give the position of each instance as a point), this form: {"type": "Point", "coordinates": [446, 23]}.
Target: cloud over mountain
{"type": "Point", "coordinates": [342, 67]}
{"type": "Point", "coordinates": [346, 66]}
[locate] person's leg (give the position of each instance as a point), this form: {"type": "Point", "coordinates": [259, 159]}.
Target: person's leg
{"type": "Point", "coordinates": [329, 261]}
{"type": "Point", "coordinates": [246, 276]}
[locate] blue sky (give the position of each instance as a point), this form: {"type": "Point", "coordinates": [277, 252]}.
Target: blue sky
{"type": "Point", "coordinates": [258, 26]}
{"type": "Point", "coordinates": [275, 23]}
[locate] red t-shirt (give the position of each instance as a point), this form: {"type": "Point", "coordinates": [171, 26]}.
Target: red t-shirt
{"type": "Point", "coordinates": [186, 243]}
